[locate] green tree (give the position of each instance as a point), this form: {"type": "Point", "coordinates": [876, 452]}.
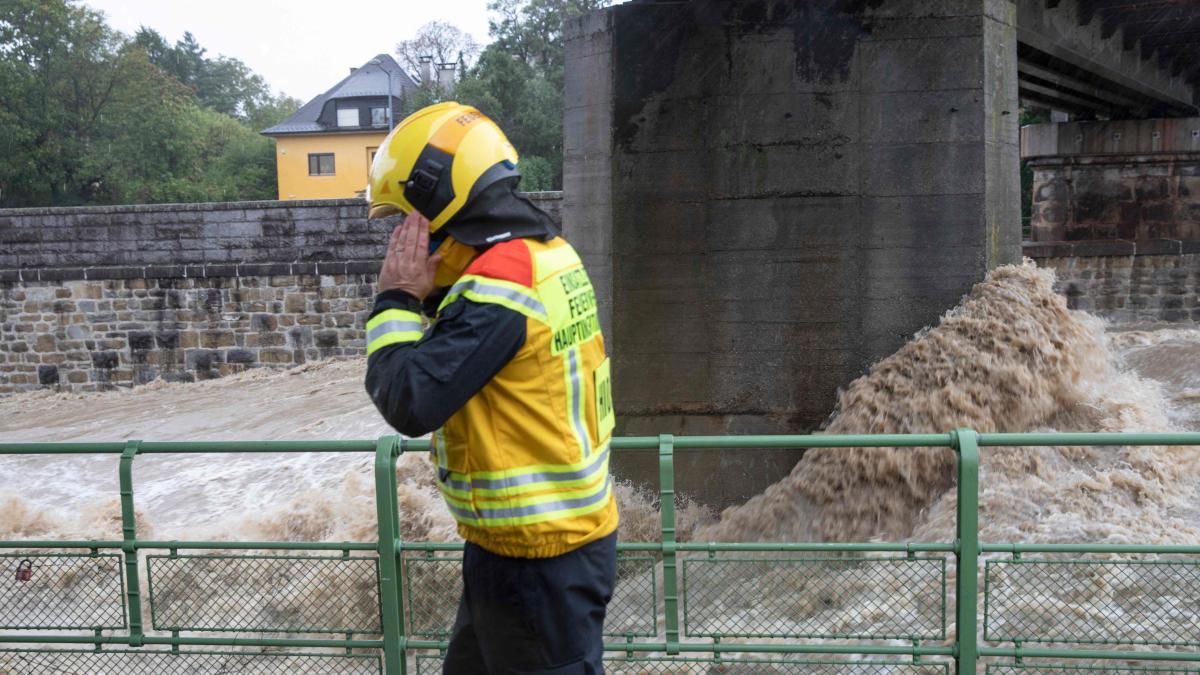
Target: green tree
{"type": "Point", "coordinates": [271, 111]}
{"type": "Point", "coordinates": [224, 84]}
{"type": "Point", "coordinates": [90, 116]}
{"type": "Point", "coordinates": [212, 157]}
{"type": "Point", "coordinates": [61, 71]}
{"type": "Point", "coordinates": [518, 81]}
{"type": "Point", "coordinates": [142, 138]}
{"type": "Point", "coordinates": [531, 30]}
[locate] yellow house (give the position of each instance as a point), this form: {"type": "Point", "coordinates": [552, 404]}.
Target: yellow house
{"type": "Point", "coordinates": [325, 149]}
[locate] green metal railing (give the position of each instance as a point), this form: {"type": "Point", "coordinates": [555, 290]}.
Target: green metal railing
{"type": "Point", "coordinates": [387, 606]}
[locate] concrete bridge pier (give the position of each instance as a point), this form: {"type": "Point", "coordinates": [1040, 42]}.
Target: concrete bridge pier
{"type": "Point", "coordinates": [774, 194]}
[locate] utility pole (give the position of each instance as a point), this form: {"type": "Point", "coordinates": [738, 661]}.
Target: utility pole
{"type": "Point", "coordinates": [390, 119]}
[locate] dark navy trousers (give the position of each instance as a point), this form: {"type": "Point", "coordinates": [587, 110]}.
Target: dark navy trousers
{"type": "Point", "coordinates": [533, 616]}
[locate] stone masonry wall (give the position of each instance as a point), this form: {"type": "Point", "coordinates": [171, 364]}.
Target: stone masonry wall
{"type": "Point", "coordinates": [1135, 180]}
{"type": "Point", "coordinates": [92, 334]}
{"type": "Point", "coordinates": [1132, 197]}
{"type": "Point", "coordinates": [1116, 213]}
{"type": "Point", "coordinates": [68, 241]}
{"type": "Point", "coordinates": [97, 300]}
{"type": "Point", "coordinates": [1127, 287]}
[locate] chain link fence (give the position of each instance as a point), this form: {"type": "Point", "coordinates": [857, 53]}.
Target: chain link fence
{"type": "Point", "coordinates": [633, 611]}
{"type": "Point", "coordinates": [765, 596]}
{"type": "Point", "coordinates": [1093, 601]}
{"type": "Point", "coordinates": [61, 591]}
{"type": "Point", "coordinates": [158, 662]}
{"type": "Point", "coordinates": [287, 594]}
{"type": "Point", "coordinates": [432, 665]}
{"type": "Point", "coordinates": [432, 587]}
{"type": "Point", "coordinates": [1024, 668]}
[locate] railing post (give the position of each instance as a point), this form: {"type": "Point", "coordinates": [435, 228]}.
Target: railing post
{"type": "Point", "coordinates": [394, 658]}
{"type": "Point", "coordinates": [966, 442]}
{"type": "Point", "coordinates": [133, 590]}
{"type": "Point", "coordinates": [666, 503]}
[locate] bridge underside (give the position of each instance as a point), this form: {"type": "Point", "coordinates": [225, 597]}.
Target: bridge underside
{"type": "Point", "coordinates": [1116, 59]}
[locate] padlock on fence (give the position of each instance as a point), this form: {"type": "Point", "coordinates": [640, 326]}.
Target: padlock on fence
{"type": "Point", "coordinates": [25, 570]}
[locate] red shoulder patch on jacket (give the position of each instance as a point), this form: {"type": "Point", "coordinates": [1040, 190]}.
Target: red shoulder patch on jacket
{"type": "Point", "coordinates": [509, 261]}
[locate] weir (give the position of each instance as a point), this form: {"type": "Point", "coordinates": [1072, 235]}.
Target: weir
{"type": "Point", "coordinates": [762, 607]}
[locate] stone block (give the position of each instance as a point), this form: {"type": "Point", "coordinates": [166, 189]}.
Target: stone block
{"type": "Point", "coordinates": [325, 339]}
{"type": "Point", "coordinates": [47, 375]}
{"type": "Point", "coordinates": [1115, 248]}
{"type": "Point", "coordinates": [242, 356]}
{"type": "Point", "coordinates": [275, 356]}
{"type": "Point", "coordinates": [1159, 247]}
{"type": "Point", "coordinates": [221, 269]}
{"type": "Point", "coordinates": [165, 340]}
{"type": "Point", "coordinates": [310, 226]}
{"type": "Point", "coordinates": [263, 322]}
{"type": "Point", "coordinates": [230, 225]}
{"type": "Point", "coordinates": [264, 340]}
{"type": "Point", "coordinates": [105, 360]}
{"type": "Point", "coordinates": [201, 359]}
{"type": "Point", "coordinates": [212, 339]}
{"type": "Point", "coordinates": [45, 343]}
{"type": "Point", "coordinates": [300, 336]}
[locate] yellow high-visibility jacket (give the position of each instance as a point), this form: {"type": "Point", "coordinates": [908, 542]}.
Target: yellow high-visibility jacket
{"type": "Point", "coordinates": [523, 463]}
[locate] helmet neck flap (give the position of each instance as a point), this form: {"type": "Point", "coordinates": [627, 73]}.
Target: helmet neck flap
{"type": "Point", "coordinates": [499, 213]}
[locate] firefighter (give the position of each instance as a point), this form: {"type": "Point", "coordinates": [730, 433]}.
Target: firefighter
{"type": "Point", "coordinates": [508, 374]}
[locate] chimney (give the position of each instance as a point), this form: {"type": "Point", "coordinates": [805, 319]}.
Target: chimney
{"type": "Point", "coordinates": [425, 62]}
{"type": "Point", "coordinates": [446, 76]}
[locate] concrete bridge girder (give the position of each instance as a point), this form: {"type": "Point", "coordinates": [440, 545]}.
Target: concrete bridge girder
{"type": "Point", "coordinates": [1078, 56]}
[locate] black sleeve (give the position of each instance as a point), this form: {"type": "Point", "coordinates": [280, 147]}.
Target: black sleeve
{"type": "Point", "coordinates": [417, 386]}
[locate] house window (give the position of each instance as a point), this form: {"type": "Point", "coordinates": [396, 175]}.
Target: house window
{"type": "Point", "coordinates": [348, 117]}
{"type": "Point", "coordinates": [320, 164]}
{"type": "Point", "coordinates": [379, 117]}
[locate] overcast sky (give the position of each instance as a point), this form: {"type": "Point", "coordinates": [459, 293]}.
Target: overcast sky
{"type": "Point", "coordinates": [301, 47]}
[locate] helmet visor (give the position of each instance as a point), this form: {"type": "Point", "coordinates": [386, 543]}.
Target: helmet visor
{"type": "Point", "coordinates": [384, 211]}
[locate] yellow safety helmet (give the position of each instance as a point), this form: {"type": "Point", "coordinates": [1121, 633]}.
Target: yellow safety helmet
{"type": "Point", "coordinates": [436, 160]}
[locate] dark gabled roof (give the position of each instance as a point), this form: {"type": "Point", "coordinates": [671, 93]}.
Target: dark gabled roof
{"type": "Point", "coordinates": [365, 81]}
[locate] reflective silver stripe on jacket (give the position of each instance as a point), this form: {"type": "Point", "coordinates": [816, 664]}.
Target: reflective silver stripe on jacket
{"type": "Point", "coordinates": [392, 326]}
